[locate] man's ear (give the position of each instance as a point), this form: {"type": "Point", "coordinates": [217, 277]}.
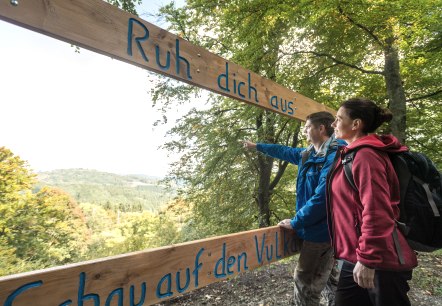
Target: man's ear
{"type": "Point", "coordinates": [322, 129]}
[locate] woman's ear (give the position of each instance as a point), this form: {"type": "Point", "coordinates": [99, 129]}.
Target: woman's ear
{"type": "Point", "coordinates": [357, 124]}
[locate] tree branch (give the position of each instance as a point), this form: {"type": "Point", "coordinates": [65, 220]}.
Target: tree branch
{"type": "Point", "coordinates": [323, 69]}
{"type": "Point", "coordinates": [283, 164]}
{"type": "Point", "coordinates": [337, 61]}
{"type": "Point", "coordinates": [421, 144]}
{"type": "Point", "coordinates": [364, 28]}
{"type": "Point", "coordinates": [278, 134]}
{"type": "Point", "coordinates": [425, 96]}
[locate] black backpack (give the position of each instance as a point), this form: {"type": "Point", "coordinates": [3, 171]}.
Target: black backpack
{"type": "Point", "coordinates": [421, 198]}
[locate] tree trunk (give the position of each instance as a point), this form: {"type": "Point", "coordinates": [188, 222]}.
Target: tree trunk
{"type": "Point", "coordinates": [263, 197]}
{"type": "Point", "coordinates": [266, 131]}
{"type": "Point", "coordinates": [395, 92]}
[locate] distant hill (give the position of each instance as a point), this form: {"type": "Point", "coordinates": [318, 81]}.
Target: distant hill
{"type": "Point", "coordinates": [119, 192]}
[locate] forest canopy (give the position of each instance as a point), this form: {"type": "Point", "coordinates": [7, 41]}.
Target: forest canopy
{"type": "Point", "coordinates": [332, 50]}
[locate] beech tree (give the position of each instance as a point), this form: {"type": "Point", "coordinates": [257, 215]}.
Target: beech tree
{"type": "Point", "coordinates": [388, 51]}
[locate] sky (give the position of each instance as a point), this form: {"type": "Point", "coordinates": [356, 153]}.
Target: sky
{"type": "Point", "coordinates": [60, 109]}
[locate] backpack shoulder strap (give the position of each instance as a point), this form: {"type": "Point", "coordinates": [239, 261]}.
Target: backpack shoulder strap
{"type": "Point", "coordinates": [304, 155]}
{"type": "Point", "coordinates": [402, 171]}
{"type": "Point", "coordinates": [347, 162]}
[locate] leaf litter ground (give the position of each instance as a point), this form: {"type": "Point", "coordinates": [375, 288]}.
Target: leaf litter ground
{"type": "Point", "coordinates": [273, 285]}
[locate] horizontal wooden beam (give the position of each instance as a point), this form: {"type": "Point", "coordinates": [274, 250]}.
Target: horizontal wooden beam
{"type": "Point", "coordinates": [103, 28]}
{"type": "Point", "coordinates": [151, 276]}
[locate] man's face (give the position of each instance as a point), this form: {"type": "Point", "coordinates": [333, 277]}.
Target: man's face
{"type": "Point", "coordinates": [312, 132]}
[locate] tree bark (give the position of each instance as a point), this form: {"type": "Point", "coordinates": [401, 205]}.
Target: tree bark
{"type": "Point", "coordinates": [263, 196]}
{"type": "Point", "coordinates": [395, 91]}
{"type": "Point", "coordinates": [266, 131]}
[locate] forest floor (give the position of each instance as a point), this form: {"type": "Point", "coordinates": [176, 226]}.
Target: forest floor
{"type": "Point", "coordinates": [273, 285]}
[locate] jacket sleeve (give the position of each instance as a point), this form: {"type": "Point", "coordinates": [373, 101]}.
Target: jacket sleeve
{"type": "Point", "coordinates": [292, 155]}
{"type": "Point", "coordinates": [314, 211]}
{"type": "Point", "coordinates": [377, 224]}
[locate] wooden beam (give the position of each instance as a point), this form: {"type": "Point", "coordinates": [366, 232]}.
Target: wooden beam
{"type": "Point", "coordinates": [103, 28]}
{"type": "Point", "coordinates": [151, 276]}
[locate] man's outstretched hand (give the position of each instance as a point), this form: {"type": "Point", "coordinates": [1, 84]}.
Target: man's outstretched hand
{"type": "Point", "coordinates": [248, 144]}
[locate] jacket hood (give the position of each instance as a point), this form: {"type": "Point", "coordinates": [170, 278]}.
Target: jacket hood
{"type": "Point", "coordinates": [387, 143]}
{"type": "Point", "coordinates": [331, 143]}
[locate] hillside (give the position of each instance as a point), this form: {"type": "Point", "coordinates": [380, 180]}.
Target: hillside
{"type": "Point", "coordinates": [112, 191]}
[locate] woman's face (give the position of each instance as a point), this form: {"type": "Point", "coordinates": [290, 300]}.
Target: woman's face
{"type": "Point", "coordinates": [343, 125]}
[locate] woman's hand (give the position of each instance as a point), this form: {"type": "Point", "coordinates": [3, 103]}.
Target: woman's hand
{"type": "Point", "coordinates": [363, 276]}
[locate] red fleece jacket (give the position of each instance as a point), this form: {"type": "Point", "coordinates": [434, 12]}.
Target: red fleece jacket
{"type": "Point", "coordinates": [374, 207]}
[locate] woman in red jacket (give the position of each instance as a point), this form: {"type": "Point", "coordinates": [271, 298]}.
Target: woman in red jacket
{"type": "Point", "coordinates": [362, 223]}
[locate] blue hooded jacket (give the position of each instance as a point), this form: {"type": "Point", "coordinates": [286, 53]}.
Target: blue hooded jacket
{"type": "Point", "coordinates": [310, 221]}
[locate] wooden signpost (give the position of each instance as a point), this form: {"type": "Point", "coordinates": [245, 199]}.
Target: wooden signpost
{"type": "Point", "coordinates": [147, 277]}
{"type": "Point", "coordinates": [103, 28]}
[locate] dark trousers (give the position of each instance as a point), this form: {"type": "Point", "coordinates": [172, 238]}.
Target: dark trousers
{"type": "Point", "coordinates": [390, 289]}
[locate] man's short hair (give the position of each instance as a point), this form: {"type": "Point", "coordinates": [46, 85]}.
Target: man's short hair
{"type": "Point", "coordinates": [324, 118]}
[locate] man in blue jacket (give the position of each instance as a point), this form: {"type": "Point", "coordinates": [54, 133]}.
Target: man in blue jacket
{"type": "Point", "coordinates": [316, 263]}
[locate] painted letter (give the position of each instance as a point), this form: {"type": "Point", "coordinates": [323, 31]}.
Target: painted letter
{"type": "Point", "coordinates": [244, 254]}
{"type": "Point", "coordinates": [272, 99]}
{"type": "Point", "coordinates": [260, 253]}
{"type": "Point", "coordinates": [284, 105]}
{"type": "Point", "coordinates": [286, 245]}
{"type": "Point", "coordinates": [269, 258]}
{"type": "Point", "coordinates": [252, 88]}
{"type": "Point", "coordinates": [143, 295]}
{"type": "Point", "coordinates": [137, 39]}
{"type": "Point", "coordinates": [178, 281]}
{"type": "Point", "coordinates": [198, 266]}
{"type": "Point", "coordinates": [230, 263]}
{"type": "Point", "coordinates": [167, 278]}
{"type": "Point", "coordinates": [277, 248]}
{"type": "Point", "coordinates": [239, 89]}
{"type": "Point", "coordinates": [290, 108]}
{"type": "Point", "coordinates": [180, 58]}
{"type": "Point", "coordinates": [20, 290]}
{"type": "Point", "coordinates": [157, 55]}
{"type": "Point", "coordinates": [82, 297]}
{"type": "Point", "coordinates": [222, 260]}
{"type": "Point", "coordinates": [226, 77]}
{"type": "Point", "coordinates": [118, 291]}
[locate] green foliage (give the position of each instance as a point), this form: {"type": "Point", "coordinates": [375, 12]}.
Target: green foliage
{"type": "Point", "coordinates": [340, 49]}
{"type": "Point", "coordinates": [15, 181]}
{"type": "Point", "coordinates": [127, 5]}
{"type": "Point", "coordinates": [117, 233]}
{"type": "Point", "coordinates": [15, 178]}
{"type": "Point", "coordinates": [48, 227]}
{"type": "Point", "coordinates": [219, 176]}
{"type": "Point", "coordinates": [60, 225]}
{"type": "Point", "coordinates": [124, 193]}
{"type": "Point", "coordinates": [36, 230]}
{"type": "Point", "coordinates": [327, 50]}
